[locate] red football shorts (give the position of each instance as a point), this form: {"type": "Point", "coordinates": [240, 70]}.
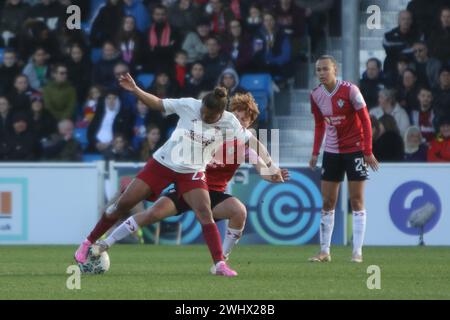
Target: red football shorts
{"type": "Point", "coordinates": [158, 177]}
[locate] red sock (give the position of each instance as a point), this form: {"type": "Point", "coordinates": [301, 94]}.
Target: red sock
{"type": "Point", "coordinates": [212, 238]}
{"type": "Point", "coordinates": [103, 225]}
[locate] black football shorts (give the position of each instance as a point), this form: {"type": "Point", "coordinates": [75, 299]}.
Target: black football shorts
{"type": "Point", "coordinates": [215, 196]}
{"type": "Point", "coordinates": [336, 165]}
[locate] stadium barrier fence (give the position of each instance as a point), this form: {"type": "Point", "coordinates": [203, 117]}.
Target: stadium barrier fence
{"type": "Point", "coordinates": [52, 203]}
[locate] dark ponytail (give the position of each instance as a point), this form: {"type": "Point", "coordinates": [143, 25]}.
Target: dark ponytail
{"type": "Point", "coordinates": [217, 100]}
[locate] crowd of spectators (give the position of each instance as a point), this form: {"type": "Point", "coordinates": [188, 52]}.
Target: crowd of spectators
{"type": "Point", "coordinates": [55, 80]}
{"type": "Point", "coordinates": [408, 94]}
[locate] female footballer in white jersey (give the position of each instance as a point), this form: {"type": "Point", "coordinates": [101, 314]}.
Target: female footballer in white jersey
{"type": "Point", "coordinates": [203, 123]}
{"type": "Point", "coordinates": [218, 173]}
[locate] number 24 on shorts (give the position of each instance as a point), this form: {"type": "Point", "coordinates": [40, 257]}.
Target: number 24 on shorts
{"type": "Point", "coordinates": [360, 165]}
{"type": "Point", "coordinates": [199, 175]}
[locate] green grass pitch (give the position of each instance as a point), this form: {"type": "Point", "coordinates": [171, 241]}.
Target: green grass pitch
{"type": "Point", "coordinates": [265, 272]}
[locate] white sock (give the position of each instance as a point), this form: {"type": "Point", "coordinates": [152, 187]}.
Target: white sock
{"type": "Point", "coordinates": [326, 230]}
{"type": "Point", "coordinates": [232, 237]}
{"type": "Point", "coordinates": [125, 229]}
{"type": "Point", "coordinates": [359, 229]}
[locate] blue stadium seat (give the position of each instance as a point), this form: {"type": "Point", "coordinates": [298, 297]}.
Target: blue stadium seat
{"type": "Point", "coordinates": [86, 27]}
{"type": "Point", "coordinates": [260, 86]}
{"type": "Point", "coordinates": [96, 54]}
{"type": "Point", "coordinates": [262, 100]}
{"type": "Point", "coordinates": [257, 82]}
{"type": "Point", "coordinates": [95, 6]}
{"type": "Point", "coordinates": [81, 135]}
{"type": "Point", "coordinates": [146, 79]}
{"type": "Point", "coordinates": [2, 51]}
{"type": "Point", "coordinates": [169, 132]}
{"type": "Point", "coordinates": [90, 157]}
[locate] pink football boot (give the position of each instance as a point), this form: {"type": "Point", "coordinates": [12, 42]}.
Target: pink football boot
{"type": "Point", "coordinates": [82, 251]}
{"type": "Point", "coordinates": [223, 270]}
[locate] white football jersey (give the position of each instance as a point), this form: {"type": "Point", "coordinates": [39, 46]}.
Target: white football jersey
{"type": "Point", "coordinates": [192, 144]}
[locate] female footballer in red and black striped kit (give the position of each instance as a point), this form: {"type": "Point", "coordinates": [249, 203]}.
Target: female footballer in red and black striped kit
{"type": "Point", "coordinates": [339, 110]}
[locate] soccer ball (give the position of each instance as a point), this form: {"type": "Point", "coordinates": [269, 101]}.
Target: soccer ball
{"type": "Point", "coordinates": [95, 265]}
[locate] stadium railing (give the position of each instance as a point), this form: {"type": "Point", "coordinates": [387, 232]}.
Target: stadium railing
{"type": "Point", "coordinates": [91, 157]}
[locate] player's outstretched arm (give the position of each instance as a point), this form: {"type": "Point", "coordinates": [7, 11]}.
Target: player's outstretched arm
{"type": "Point", "coordinates": [263, 154]}
{"type": "Point", "coordinates": [128, 83]}
{"type": "Point", "coordinates": [280, 175]}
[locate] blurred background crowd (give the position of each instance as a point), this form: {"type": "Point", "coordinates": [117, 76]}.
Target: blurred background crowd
{"type": "Point", "coordinates": [60, 99]}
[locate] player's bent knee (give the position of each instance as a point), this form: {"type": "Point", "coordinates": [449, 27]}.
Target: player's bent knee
{"type": "Point", "coordinates": [237, 220]}
{"type": "Point", "coordinates": [240, 215]}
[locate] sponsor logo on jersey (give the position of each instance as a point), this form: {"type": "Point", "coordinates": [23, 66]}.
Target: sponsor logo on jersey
{"type": "Point", "coordinates": [199, 138]}
{"type": "Point", "coordinates": [335, 120]}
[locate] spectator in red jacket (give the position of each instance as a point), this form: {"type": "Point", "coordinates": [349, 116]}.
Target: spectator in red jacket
{"type": "Point", "coordinates": [163, 41]}
{"type": "Point", "coordinates": [180, 69]}
{"type": "Point", "coordinates": [220, 16]}
{"type": "Point", "coordinates": [440, 147]}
